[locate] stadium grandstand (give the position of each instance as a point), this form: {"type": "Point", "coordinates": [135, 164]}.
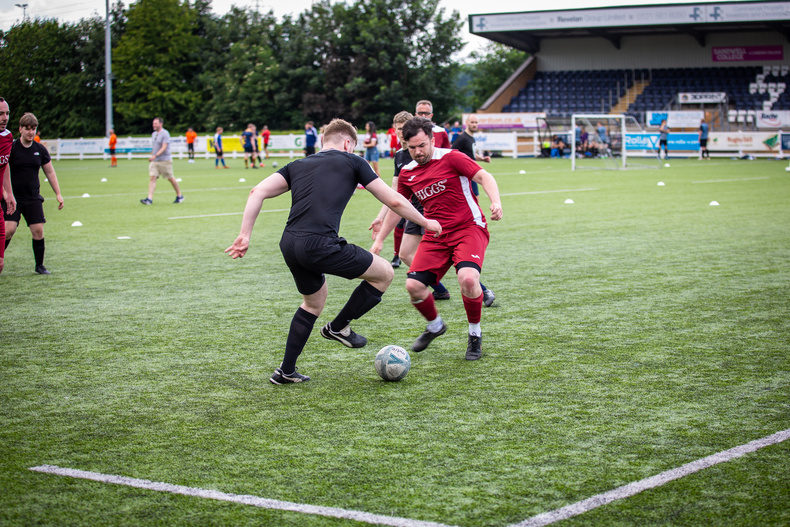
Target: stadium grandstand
{"type": "Point", "coordinates": [726, 61]}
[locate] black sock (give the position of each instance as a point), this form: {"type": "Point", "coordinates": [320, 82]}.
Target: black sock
{"type": "Point", "coordinates": [38, 251]}
{"type": "Point", "coordinates": [364, 298]}
{"type": "Point", "coordinates": [7, 241]}
{"type": "Point", "coordinates": [301, 327]}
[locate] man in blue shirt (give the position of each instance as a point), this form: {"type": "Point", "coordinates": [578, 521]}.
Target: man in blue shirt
{"type": "Point", "coordinates": [704, 128]}
{"type": "Point", "coordinates": [310, 138]}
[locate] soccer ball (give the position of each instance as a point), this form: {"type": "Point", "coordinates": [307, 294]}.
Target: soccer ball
{"type": "Point", "coordinates": [274, 164]}
{"type": "Point", "coordinates": [392, 363]}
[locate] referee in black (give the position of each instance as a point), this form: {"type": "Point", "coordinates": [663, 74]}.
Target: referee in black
{"type": "Point", "coordinates": [321, 186]}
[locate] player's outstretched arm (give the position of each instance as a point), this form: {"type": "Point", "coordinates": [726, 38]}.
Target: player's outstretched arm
{"type": "Point", "coordinates": [49, 171]}
{"type": "Point", "coordinates": [491, 189]}
{"type": "Point", "coordinates": [401, 206]}
{"type": "Point", "coordinates": [270, 187]}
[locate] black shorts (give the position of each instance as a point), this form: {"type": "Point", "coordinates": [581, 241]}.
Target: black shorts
{"type": "Point", "coordinates": [191, 147]}
{"type": "Point", "coordinates": [218, 152]}
{"type": "Point", "coordinates": [309, 256]}
{"type": "Point", "coordinates": [413, 228]}
{"type": "Point", "coordinates": [112, 151]}
{"type": "Point", "coordinates": [309, 150]}
{"type": "Point", "coordinates": [703, 143]}
{"type": "Point", "coordinates": [247, 149]}
{"type": "Point", "coordinates": [33, 211]}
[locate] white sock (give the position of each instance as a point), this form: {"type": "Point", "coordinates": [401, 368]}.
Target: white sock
{"type": "Point", "coordinates": [474, 330]}
{"type": "Point", "coordinates": [435, 325]}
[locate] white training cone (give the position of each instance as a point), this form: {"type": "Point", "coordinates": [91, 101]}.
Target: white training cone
{"type": "Point", "coordinates": [76, 224]}
{"type": "Point", "coordinates": [86, 195]}
{"type": "Point", "coordinates": [242, 180]}
{"type": "Point", "coordinates": [660, 183]}
{"type": "Point", "coordinates": [714, 203]}
{"type": "Point", "coordinates": [522, 171]}
{"type": "Point", "coordinates": [666, 165]}
{"type": "Point", "coordinates": [104, 180]}
{"type": "Point", "coordinates": [569, 201]}
{"type": "Point", "coordinates": [178, 179]}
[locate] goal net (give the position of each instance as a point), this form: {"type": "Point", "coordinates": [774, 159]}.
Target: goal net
{"type": "Point", "coordinates": [611, 142]}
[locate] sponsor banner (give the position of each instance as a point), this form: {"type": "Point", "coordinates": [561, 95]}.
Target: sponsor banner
{"type": "Point", "coordinates": [632, 16]}
{"type": "Point", "coordinates": [750, 141]}
{"type": "Point", "coordinates": [82, 146]}
{"type": "Point", "coordinates": [649, 141]}
{"type": "Point", "coordinates": [772, 119]}
{"type": "Point", "coordinates": [747, 53]}
{"type": "Point", "coordinates": [701, 98]}
{"type": "Point", "coordinates": [785, 142]}
{"type": "Point", "coordinates": [495, 142]}
{"type": "Point", "coordinates": [690, 119]}
{"type": "Point", "coordinates": [492, 121]}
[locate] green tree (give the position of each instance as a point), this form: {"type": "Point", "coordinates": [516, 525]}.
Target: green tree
{"type": "Point", "coordinates": [369, 60]}
{"type": "Point", "coordinates": [490, 67]}
{"type": "Point", "coordinates": [65, 90]}
{"type": "Point", "coordinates": [157, 65]}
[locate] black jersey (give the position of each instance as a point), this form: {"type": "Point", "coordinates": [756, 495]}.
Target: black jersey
{"type": "Point", "coordinates": [321, 186]}
{"type": "Point", "coordinates": [25, 164]}
{"type": "Point", "coordinates": [402, 158]}
{"type": "Point", "coordinates": [466, 144]}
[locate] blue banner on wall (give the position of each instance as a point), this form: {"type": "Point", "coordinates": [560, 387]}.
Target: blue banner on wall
{"type": "Point", "coordinates": [649, 141]}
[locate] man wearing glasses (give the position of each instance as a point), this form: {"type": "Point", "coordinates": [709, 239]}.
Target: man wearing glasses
{"type": "Point", "coordinates": [441, 139]}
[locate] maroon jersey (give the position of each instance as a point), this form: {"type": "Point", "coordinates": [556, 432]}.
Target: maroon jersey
{"type": "Point", "coordinates": [440, 137]}
{"type": "Point", "coordinates": [6, 140]}
{"type": "Point", "coordinates": [443, 186]}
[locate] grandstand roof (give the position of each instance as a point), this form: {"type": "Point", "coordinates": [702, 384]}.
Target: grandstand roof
{"type": "Point", "coordinates": [526, 30]}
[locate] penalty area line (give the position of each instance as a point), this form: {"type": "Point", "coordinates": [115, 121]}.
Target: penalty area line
{"type": "Point", "coordinates": [658, 480]}
{"type": "Point", "coordinates": [255, 501]}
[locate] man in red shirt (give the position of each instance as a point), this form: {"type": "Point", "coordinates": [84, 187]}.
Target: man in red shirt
{"type": "Point", "coordinates": [266, 134]}
{"type": "Point", "coordinates": [441, 179]}
{"type": "Point", "coordinates": [6, 141]}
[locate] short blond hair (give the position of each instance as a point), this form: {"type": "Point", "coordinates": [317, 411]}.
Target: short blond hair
{"type": "Point", "coordinates": [339, 128]}
{"type": "Point", "coordinates": [401, 117]}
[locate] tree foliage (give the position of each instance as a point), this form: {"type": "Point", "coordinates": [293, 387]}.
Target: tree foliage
{"type": "Point", "coordinates": [362, 61]}
{"type": "Point", "coordinates": [490, 67]}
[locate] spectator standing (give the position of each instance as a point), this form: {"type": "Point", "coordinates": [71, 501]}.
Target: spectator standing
{"type": "Point", "coordinates": [310, 138]}
{"type": "Point", "coordinates": [265, 135]}
{"type": "Point", "coordinates": [704, 129]}
{"type": "Point", "coordinates": [220, 153]}
{"type": "Point", "coordinates": [191, 136]}
{"type": "Point", "coordinates": [113, 141]}
{"type": "Point", "coordinates": [371, 143]}
{"type": "Point", "coordinates": [663, 138]}
{"type": "Point", "coordinates": [160, 163]}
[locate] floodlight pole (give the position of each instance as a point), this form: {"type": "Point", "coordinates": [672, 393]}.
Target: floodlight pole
{"type": "Point", "coordinates": [24, 11]}
{"type": "Point", "coordinates": [108, 70]}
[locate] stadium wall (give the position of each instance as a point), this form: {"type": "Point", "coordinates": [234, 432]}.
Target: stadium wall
{"type": "Point", "coordinates": [661, 51]}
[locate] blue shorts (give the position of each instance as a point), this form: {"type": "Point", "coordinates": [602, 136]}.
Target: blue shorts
{"type": "Point", "coordinates": [372, 154]}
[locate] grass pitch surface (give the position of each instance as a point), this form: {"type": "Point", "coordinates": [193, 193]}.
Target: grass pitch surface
{"type": "Point", "coordinates": [634, 331]}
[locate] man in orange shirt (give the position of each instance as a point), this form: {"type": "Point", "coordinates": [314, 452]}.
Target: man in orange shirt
{"type": "Point", "coordinates": [113, 141]}
{"type": "Point", "coordinates": [191, 136]}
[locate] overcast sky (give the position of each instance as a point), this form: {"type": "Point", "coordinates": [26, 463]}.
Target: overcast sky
{"type": "Point", "coordinates": [74, 10]}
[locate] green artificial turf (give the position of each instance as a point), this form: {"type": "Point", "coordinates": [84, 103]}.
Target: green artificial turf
{"type": "Point", "coordinates": [636, 330]}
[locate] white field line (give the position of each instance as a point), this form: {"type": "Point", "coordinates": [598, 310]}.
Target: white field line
{"type": "Point", "coordinates": [332, 512]}
{"type": "Point", "coordinates": [240, 187]}
{"type": "Point", "coordinates": [636, 487]}
{"type": "Point", "coordinates": [549, 191]}
{"type": "Point", "coordinates": [728, 180]}
{"type": "Point", "coordinates": [222, 214]}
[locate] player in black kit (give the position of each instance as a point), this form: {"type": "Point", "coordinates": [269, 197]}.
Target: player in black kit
{"type": "Point", "coordinates": [26, 159]}
{"type": "Point", "coordinates": [321, 186]}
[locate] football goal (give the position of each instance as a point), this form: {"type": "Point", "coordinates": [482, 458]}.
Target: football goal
{"type": "Point", "coordinates": [611, 142]}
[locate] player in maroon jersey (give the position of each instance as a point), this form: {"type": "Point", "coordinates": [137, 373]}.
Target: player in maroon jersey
{"type": "Point", "coordinates": [441, 180]}
{"type": "Point", "coordinates": [6, 141]}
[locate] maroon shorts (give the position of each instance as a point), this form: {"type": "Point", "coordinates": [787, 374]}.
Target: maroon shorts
{"type": "Point", "coordinates": [465, 246]}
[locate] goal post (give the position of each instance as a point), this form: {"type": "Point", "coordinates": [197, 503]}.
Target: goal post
{"type": "Point", "coordinates": [600, 141]}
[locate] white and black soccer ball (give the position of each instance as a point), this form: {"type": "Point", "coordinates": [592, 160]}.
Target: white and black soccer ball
{"type": "Point", "coordinates": [392, 363]}
{"type": "Point", "coordinates": [274, 164]}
